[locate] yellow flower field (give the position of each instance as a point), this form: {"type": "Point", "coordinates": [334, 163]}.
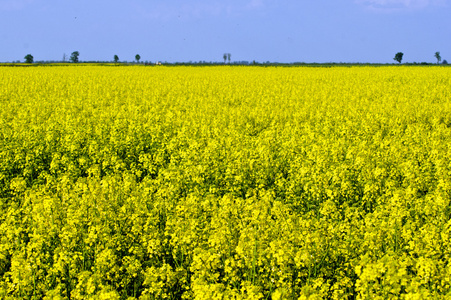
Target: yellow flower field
{"type": "Point", "coordinates": [135, 182]}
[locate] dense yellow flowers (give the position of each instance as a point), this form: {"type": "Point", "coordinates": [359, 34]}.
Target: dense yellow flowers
{"type": "Point", "coordinates": [225, 182]}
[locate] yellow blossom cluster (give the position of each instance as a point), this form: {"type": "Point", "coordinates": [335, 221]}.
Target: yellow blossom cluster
{"type": "Point", "coordinates": [134, 182]}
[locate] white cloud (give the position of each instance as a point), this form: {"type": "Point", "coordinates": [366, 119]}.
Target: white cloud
{"type": "Point", "coordinates": [253, 4]}
{"type": "Point", "coordinates": [200, 8]}
{"type": "Point", "coordinates": [397, 5]}
{"type": "Point", "coordinates": [10, 5]}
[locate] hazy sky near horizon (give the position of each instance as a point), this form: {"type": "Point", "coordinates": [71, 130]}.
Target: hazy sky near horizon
{"type": "Point", "coordinates": [203, 30]}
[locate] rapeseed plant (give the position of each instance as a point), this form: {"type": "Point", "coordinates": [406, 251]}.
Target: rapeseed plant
{"type": "Point", "coordinates": [225, 183]}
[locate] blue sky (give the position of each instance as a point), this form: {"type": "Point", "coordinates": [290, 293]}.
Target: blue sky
{"type": "Point", "coordinates": [203, 30]}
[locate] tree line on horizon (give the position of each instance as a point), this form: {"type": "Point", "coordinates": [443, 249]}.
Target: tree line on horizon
{"type": "Point", "coordinates": [74, 58]}
{"type": "Point", "coordinates": [399, 55]}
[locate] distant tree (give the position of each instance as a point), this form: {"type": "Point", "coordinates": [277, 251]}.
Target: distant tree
{"type": "Point", "coordinates": [444, 62]}
{"type": "Point", "coordinates": [228, 56]}
{"type": "Point", "coordinates": [28, 58]}
{"type": "Point", "coordinates": [398, 57]}
{"type": "Point", "coordinates": [225, 57]}
{"type": "Point", "coordinates": [438, 57]}
{"type": "Point", "coordinates": [116, 58]}
{"type": "Point", "coordinates": [74, 56]}
{"type": "Point", "coordinates": [64, 57]}
{"type": "Point", "coordinates": [137, 57]}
